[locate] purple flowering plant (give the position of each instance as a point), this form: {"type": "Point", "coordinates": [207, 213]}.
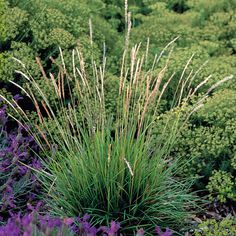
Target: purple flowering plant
{"type": "Point", "coordinates": [34, 224]}
{"type": "Point", "coordinates": [18, 184]}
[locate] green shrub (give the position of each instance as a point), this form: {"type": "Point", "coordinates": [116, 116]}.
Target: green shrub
{"type": "Point", "coordinates": [206, 30]}
{"type": "Point", "coordinates": [211, 227]}
{"type": "Point", "coordinates": [208, 143]}
{"type": "Point", "coordinates": [222, 184]}
{"type": "Point", "coordinates": [31, 29]}
{"type": "Point", "coordinates": [233, 162]}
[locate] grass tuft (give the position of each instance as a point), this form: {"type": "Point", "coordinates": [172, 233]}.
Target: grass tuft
{"type": "Point", "coordinates": [106, 164]}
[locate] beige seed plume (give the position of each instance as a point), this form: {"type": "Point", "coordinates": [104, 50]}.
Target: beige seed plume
{"type": "Point", "coordinates": [129, 167]}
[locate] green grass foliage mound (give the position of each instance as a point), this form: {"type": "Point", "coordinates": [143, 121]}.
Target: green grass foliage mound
{"type": "Point", "coordinates": [103, 163]}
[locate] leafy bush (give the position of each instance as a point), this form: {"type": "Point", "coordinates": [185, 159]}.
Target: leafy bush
{"type": "Point", "coordinates": [211, 227]}
{"type": "Point", "coordinates": [36, 28]}
{"type": "Point", "coordinates": [208, 145]}
{"type": "Point", "coordinates": [206, 30]}
{"type": "Point", "coordinates": [221, 184]}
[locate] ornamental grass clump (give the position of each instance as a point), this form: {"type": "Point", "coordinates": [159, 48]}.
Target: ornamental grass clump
{"type": "Point", "coordinates": [106, 164]}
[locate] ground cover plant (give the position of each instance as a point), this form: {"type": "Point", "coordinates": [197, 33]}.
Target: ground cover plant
{"type": "Point", "coordinates": [209, 139]}
{"type": "Point", "coordinates": [19, 185]}
{"type": "Point", "coordinates": [35, 224]}
{"type": "Point", "coordinates": [217, 228]}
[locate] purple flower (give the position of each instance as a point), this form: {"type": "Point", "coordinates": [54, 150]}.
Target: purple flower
{"type": "Point", "coordinates": [10, 229]}
{"type": "Point", "coordinates": [68, 221]}
{"type": "Point", "coordinates": [140, 232]}
{"type": "Point", "coordinates": [26, 220]}
{"type": "Point", "coordinates": [23, 154]}
{"type": "Point", "coordinates": [22, 170]}
{"type": "Point", "coordinates": [112, 230]}
{"type": "Point", "coordinates": [28, 232]}
{"type": "Point", "coordinates": [17, 97]}
{"type": "Point", "coordinates": [54, 222]}
{"type": "Point", "coordinates": [86, 217]}
{"type": "Point", "coordinates": [36, 208]}
{"type": "Point", "coordinates": [166, 233]}
{"type": "Point", "coordinates": [15, 146]}
{"type": "Point", "coordinates": [86, 226]}
{"type": "Point", "coordinates": [3, 117]}
{"type": "Point", "coordinates": [36, 164]}
{"type": "Point", "coordinates": [92, 231]}
{"type": "Point", "coordinates": [19, 225]}
{"type": "Point", "coordinates": [43, 220]}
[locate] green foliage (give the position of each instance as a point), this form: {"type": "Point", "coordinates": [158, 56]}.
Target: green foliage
{"type": "Point", "coordinates": [8, 66]}
{"type": "Point", "coordinates": [13, 23]}
{"type": "Point", "coordinates": [178, 6]}
{"type": "Point", "coordinates": [106, 164]}
{"type": "Point", "coordinates": [222, 185]}
{"type": "Point", "coordinates": [211, 227]}
{"type": "Point", "coordinates": [212, 6]}
{"type": "Point", "coordinates": [206, 30]}
{"type": "Point", "coordinates": [38, 28]}
{"type": "Point", "coordinates": [208, 142]}
{"type": "Point", "coordinates": [233, 163]}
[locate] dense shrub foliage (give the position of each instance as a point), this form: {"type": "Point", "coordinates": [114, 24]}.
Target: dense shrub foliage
{"type": "Point", "coordinates": [226, 226]}
{"type": "Point", "coordinates": [207, 30]}
{"type": "Point", "coordinates": [208, 144]}
{"type": "Point", "coordinates": [32, 29]}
